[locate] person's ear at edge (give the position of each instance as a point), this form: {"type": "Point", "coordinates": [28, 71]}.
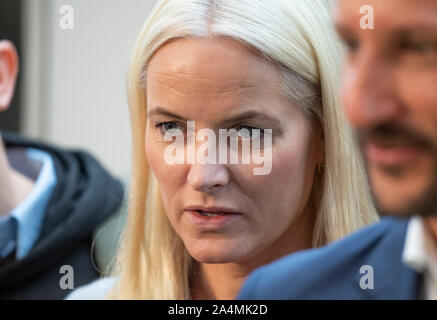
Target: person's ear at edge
{"type": "Point", "coordinates": [8, 73]}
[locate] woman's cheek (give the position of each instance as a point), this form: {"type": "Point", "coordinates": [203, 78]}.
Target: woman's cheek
{"type": "Point", "coordinates": [155, 153]}
{"type": "Point", "coordinates": [289, 167]}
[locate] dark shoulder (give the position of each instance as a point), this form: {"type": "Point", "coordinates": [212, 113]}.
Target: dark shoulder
{"type": "Point", "coordinates": [308, 273]}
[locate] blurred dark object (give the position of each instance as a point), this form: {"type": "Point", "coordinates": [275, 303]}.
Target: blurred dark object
{"type": "Point", "coordinates": [10, 28]}
{"type": "Point", "coordinates": [84, 197]}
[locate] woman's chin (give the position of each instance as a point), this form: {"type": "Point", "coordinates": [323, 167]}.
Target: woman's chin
{"type": "Point", "coordinates": [216, 255]}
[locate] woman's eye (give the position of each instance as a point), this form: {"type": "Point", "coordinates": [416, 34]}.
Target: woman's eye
{"type": "Point", "coordinates": [248, 132]}
{"type": "Point", "coordinates": [168, 128]}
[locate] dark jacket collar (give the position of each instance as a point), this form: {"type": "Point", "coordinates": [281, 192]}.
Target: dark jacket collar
{"type": "Point", "coordinates": [392, 278]}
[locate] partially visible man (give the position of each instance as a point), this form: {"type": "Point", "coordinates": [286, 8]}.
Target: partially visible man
{"type": "Point", "coordinates": [390, 98]}
{"type": "Point", "coordinates": [51, 200]}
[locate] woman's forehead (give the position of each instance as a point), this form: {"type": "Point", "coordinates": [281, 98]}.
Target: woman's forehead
{"type": "Point", "coordinates": [218, 65]}
{"type": "Point", "coordinates": [214, 78]}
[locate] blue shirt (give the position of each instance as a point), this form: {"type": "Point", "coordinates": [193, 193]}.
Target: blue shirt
{"type": "Point", "coordinates": [21, 228]}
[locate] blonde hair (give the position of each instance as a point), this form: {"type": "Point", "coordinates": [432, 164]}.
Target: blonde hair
{"type": "Point", "coordinates": [298, 37]}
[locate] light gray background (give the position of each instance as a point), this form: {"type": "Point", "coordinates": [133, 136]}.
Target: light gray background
{"type": "Point", "coordinates": [74, 81]}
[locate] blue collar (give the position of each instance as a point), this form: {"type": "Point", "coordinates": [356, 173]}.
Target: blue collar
{"type": "Point", "coordinates": [29, 215]}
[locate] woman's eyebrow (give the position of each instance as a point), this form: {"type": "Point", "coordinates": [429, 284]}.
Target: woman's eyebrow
{"type": "Point", "coordinates": [246, 115]}
{"type": "Point", "coordinates": [251, 114]}
{"type": "Point", "coordinates": [163, 112]}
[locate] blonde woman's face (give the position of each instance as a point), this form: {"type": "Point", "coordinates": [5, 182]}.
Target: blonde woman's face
{"type": "Point", "coordinates": [224, 212]}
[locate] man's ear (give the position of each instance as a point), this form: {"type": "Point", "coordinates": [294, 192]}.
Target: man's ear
{"type": "Point", "coordinates": [8, 73]}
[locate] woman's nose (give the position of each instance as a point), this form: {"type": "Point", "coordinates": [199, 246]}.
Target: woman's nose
{"type": "Point", "coordinates": [208, 177]}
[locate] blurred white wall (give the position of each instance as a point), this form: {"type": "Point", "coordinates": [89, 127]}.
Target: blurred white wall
{"type": "Point", "coordinates": [74, 81]}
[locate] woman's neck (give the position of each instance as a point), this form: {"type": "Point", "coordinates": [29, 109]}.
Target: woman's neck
{"type": "Point", "coordinates": [218, 281]}
{"type": "Point", "coordinates": [224, 281]}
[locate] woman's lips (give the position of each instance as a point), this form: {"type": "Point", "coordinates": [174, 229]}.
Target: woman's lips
{"type": "Point", "coordinates": [390, 156]}
{"type": "Point", "coordinates": [211, 220]}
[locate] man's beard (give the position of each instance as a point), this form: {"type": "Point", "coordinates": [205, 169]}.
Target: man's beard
{"type": "Point", "coordinates": [424, 205]}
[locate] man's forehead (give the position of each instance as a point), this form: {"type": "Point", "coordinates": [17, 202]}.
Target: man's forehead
{"type": "Point", "coordinates": [394, 14]}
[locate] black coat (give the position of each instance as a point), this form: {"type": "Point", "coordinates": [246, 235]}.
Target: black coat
{"type": "Point", "coordinates": [85, 195]}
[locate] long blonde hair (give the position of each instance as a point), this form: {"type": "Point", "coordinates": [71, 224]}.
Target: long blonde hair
{"type": "Point", "coordinates": [298, 37]}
